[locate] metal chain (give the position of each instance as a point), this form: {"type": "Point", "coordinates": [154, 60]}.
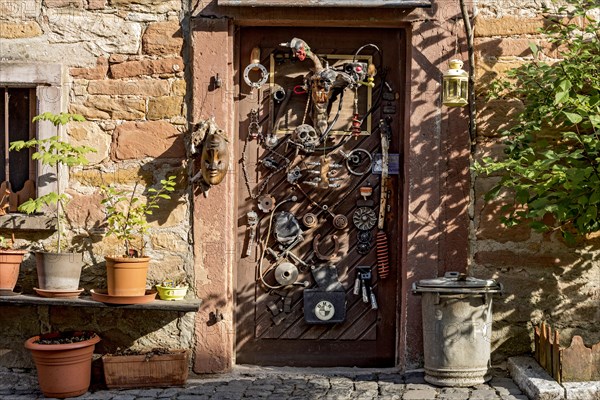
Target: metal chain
{"type": "Point", "coordinates": [306, 107]}
{"type": "Point", "coordinates": [268, 178]}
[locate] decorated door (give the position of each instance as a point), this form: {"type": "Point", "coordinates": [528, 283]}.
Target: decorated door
{"type": "Point", "coordinates": [319, 151]}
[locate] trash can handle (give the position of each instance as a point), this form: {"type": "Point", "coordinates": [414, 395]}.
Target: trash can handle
{"type": "Point", "coordinates": [452, 274]}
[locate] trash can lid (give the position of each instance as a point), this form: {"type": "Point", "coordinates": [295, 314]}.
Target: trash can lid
{"type": "Point", "coordinates": [457, 282]}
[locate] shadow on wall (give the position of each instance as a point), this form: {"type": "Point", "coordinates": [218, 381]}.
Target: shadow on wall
{"type": "Point", "coordinates": [118, 328]}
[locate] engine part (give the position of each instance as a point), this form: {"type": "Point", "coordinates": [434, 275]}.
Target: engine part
{"type": "Point", "coordinates": [383, 256]}
{"type": "Point", "coordinates": [270, 163]}
{"type": "Point", "coordinates": [364, 218]}
{"type": "Point", "coordinates": [252, 220]}
{"type": "Point", "coordinates": [357, 158]}
{"type": "Point", "coordinates": [294, 175]}
{"type": "Point", "coordinates": [264, 75]}
{"type": "Point", "coordinates": [305, 137]}
{"type": "Point", "coordinates": [309, 220]}
{"type": "Point", "coordinates": [278, 93]}
{"type": "Point", "coordinates": [271, 141]}
{"type": "Point", "coordinates": [286, 228]}
{"type": "Point", "coordinates": [266, 202]}
{"type": "Point", "coordinates": [366, 191]}
{"type": "Point", "coordinates": [340, 221]}
{"type": "Point", "coordinates": [386, 134]}
{"type": "Point", "coordinates": [364, 236]}
{"type": "Point", "coordinates": [286, 273]}
{"type": "Point", "coordinates": [321, 256]}
{"type": "Point", "coordinates": [363, 248]}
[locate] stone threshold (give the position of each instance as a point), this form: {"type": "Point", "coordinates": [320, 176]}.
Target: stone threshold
{"type": "Point", "coordinates": [537, 384]}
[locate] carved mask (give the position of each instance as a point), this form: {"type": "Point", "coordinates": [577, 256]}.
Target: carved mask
{"type": "Point", "coordinates": [214, 159]}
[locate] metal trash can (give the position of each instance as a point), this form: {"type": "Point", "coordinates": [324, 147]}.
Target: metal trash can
{"type": "Point", "coordinates": [457, 328]}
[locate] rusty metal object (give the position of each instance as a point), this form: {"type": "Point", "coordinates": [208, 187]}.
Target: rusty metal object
{"type": "Point", "coordinates": [321, 256]}
{"type": "Point", "coordinates": [340, 221]}
{"type": "Point", "coordinates": [309, 220]}
{"type": "Point", "coordinates": [364, 218]}
{"type": "Point", "coordinates": [266, 203]}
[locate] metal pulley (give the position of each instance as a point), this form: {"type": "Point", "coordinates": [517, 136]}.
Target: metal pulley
{"type": "Point", "coordinates": [364, 218]}
{"type": "Point", "coordinates": [286, 273]}
{"type": "Point", "coordinates": [309, 220]}
{"type": "Point", "coordinates": [340, 221]}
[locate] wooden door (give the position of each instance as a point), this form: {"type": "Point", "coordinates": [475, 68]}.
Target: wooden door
{"type": "Point", "coordinates": [271, 327]}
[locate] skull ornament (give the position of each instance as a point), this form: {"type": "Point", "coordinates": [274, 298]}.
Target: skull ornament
{"type": "Point", "coordinates": [306, 136]}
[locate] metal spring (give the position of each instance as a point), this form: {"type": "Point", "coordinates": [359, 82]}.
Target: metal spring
{"type": "Point", "coordinates": [383, 264]}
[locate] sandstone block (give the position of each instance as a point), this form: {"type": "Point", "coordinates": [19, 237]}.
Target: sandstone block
{"type": "Point", "coordinates": [156, 6]}
{"type": "Point", "coordinates": [19, 30]}
{"type": "Point", "coordinates": [178, 87]}
{"type": "Point", "coordinates": [106, 32]}
{"type": "Point", "coordinates": [20, 10]}
{"type": "Point", "coordinates": [512, 47]}
{"type": "Point", "coordinates": [97, 72]}
{"type": "Point", "coordinates": [146, 67]}
{"type": "Point", "coordinates": [164, 107]}
{"type": "Point", "coordinates": [172, 214]}
{"type": "Point", "coordinates": [507, 26]}
{"type": "Point", "coordinates": [168, 241]}
{"type": "Point", "coordinates": [162, 38]}
{"type": "Point", "coordinates": [123, 175]}
{"type": "Point", "coordinates": [118, 58]}
{"type": "Point", "coordinates": [158, 139]}
{"type": "Point", "coordinates": [489, 226]}
{"type": "Point", "coordinates": [490, 70]}
{"type": "Point", "coordinates": [496, 115]}
{"type": "Point", "coordinates": [63, 3]}
{"type": "Point", "coordinates": [85, 210]}
{"type": "Point", "coordinates": [88, 112]}
{"type": "Point", "coordinates": [96, 4]}
{"type": "Point", "coordinates": [90, 134]}
{"type": "Point", "coordinates": [152, 87]}
{"type": "Point", "coordinates": [127, 109]}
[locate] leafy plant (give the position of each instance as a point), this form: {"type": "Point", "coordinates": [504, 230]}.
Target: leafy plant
{"type": "Point", "coordinates": [55, 153]}
{"type": "Point", "coordinates": [126, 214]}
{"type": "Point", "coordinates": [552, 154]}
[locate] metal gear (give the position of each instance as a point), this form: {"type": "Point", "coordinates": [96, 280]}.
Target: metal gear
{"type": "Point", "coordinates": [363, 248]}
{"type": "Point", "coordinates": [364, 218]}
{"type": "Point", "coordinates": [340, 221]}
{"type": "Point", "coordinates": [309, 220]}
{"type": "Point", "coordinates": [266, 202]}
{"type": "Point", "coordinates": [364, 236]}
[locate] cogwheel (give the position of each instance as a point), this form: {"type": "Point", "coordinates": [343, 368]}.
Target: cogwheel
{"type": "Point", "coordinates": [266, 202]}
{"type": "Point", "coordinates": [309, 220]}
{"type": "Point", "coordinates": [340, 221]}
{"type": "Point", "coordinates": [364, 218]}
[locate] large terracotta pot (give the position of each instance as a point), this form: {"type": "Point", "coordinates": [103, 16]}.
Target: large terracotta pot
{"type": "Point", "coordinates": [64, 370]}
{"type": "Point", "coordinates": [126, 276]}
{"type": "Point", "coordinates": [59, 271]}
{"type": "Point", "coordinates": [10, 261]}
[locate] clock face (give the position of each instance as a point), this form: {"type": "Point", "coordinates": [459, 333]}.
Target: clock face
{"type": "Point", "coordinates": [324, 310]}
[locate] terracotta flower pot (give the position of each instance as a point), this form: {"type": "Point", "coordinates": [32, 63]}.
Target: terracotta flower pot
{"type": "Point", "coordinates": [64, 370]}
{"type": "Point", "coordinates": [126, 276]}
{"type": "Point", "coordinates": [10, 261]}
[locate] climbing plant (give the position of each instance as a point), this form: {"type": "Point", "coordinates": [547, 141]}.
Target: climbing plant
{"type": "Point", "coordinates": [550, 172]}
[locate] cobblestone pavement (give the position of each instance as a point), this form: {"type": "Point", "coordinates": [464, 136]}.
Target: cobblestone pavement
{"type": "Point", "coordinates": [285, 384]}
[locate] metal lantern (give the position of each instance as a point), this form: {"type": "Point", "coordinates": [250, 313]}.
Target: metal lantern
{"type": "Point", "coordinates": [455, 85]}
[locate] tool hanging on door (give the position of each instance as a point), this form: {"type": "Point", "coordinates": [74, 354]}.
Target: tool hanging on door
{"type": "Point", "coordinates": [252, 221]}
{"type": "Point", "coordinates": [362, 286]}
{"type": "Point", "coordinates": [383, 267]}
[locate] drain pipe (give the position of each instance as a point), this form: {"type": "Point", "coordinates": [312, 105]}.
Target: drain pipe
{"type": "Point", "coordinates": [471, 53]}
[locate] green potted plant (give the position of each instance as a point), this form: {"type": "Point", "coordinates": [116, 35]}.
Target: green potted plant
{"type": "Point", "coordinates": [57, 271]}
{"type": "Point", "coordinates": [10, 262]}
{"type": "Point", "coordinates": [173, 288]}
{"type": "Point", "coordinates": [126, 217]}
{"type": "Point", "coordinates": [63, 361]}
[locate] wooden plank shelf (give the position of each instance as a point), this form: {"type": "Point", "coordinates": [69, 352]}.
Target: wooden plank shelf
{"type": "Point", "coordinates": [192, 305]}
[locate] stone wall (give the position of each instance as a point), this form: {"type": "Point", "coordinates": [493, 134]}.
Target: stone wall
{"type": "Point", "coordinates": [544, 278]}
{"type": "Point", "coordinates": [124, 71]}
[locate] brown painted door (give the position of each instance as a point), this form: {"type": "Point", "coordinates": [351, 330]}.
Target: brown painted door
{"type": "Point", "coordinates": [271, 327]}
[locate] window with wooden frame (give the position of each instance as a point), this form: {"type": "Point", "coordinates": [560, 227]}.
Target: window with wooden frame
{"type": "Point", "coordinates": [26, 90]}
{"type": "Point", "coordinates": [18, 172]}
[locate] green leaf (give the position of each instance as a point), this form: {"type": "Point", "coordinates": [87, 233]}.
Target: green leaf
{"type": "Point", "coordinates": [573, 118]}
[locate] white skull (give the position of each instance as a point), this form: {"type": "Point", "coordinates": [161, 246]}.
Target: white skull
{"type": "Point", "coordinates": [306, 136]}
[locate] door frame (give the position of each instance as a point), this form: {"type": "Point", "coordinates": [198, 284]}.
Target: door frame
{"type": "Point", "coordinates": [435, 174]}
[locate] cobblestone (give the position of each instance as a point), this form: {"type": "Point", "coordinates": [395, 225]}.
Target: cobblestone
{"type": "Point", "coordinates": [246, 383]}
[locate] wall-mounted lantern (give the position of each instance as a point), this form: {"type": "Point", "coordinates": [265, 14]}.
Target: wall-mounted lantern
{"type": "Point", "coordinates": [455, 85]}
